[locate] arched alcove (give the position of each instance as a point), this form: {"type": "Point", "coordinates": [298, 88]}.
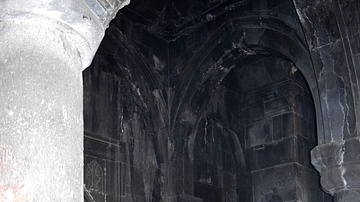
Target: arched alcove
{"type": "Point", "coordinates": [269, 106]}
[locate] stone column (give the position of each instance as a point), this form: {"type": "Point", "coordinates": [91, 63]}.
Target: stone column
{"type": "Point", "coordinates": [44, 46]}
{"type": "Point", "coordinates": [339, 167]}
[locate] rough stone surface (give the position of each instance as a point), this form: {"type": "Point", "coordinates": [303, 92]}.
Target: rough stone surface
{"type": "Point", "coordinates": [328, 31]}
{"type": "Point", "coordinates": [43, 49]}
{"type": "Point", "coordinates": [170, 78]}
{"type": "Point", "coordinates": [348, 195]}
{"type": "Point", "coordinates": [205, 101]}
{"type": "Point", "coordinates": [41, 144]}
{"type": "Point", "coordinates": [223, 100]}
{"type": "Point", "coordinates": [80, 20]}
{"type": "Point", "coordinates": [338, 166]}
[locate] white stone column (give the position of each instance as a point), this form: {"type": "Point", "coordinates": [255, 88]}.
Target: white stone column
{"type": "Point", "coordinates": [44, 46]}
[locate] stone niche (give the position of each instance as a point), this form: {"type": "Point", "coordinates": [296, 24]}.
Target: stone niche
{"type": "Point", "coordinates": [272, 113]}
{"type": "Point", "coordinates": [254, 142]}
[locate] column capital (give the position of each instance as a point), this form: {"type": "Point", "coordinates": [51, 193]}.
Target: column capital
{"type": "Point", "coordinates": [339, 165]}
{"type": "Point", "coordinates": [106, 10]}
{"type": "Point", "coordinates": [83, 22]}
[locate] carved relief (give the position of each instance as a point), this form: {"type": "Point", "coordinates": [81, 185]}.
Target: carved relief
{"type": "Point", "coordinates": [230, 195]}
{"type": "Point", "coordinates": [94, 177]}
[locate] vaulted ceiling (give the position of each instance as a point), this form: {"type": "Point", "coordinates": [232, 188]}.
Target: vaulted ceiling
{"type": "Point", "coordinates": [184, 49]}
{"type": "Point", "coordinates": [169, 18]}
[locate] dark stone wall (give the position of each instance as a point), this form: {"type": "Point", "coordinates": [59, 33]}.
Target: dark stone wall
{"type": "Point", "coordinates": [277, 114]}
{"type": "Point", "coordinates": [122, 155]}
{"type": "Point", "coordinates": [257, 127]}
{"type": "Point", "coordinates": [216, 104]}
{"type": "Point", "coordinates": [218, 162]}
{"type": "Point", "coordinates": [330, 31]}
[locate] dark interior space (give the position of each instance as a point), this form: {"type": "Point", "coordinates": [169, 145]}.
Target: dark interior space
{"type": "Point", "coordinates": [203, 101]}
{"type": "Point", "coordinates": [180, 100]}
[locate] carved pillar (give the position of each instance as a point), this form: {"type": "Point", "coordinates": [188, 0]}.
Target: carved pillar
{"type": "Point", "coordinates": [44, 46]}
{"type": "Point", "coordinates": [339, 167]}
